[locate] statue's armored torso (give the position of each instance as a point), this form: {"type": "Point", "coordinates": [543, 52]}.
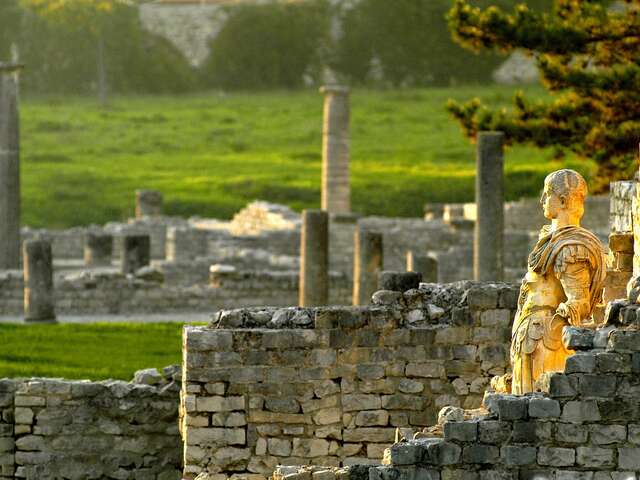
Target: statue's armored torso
{"type": "Point", "coordinates": [562, 286]}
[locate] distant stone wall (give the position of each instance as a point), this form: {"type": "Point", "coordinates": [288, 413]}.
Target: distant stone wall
{"type": "Point", "coordinates": [330, 385]}
{"type": "Point", "coordinates": [112, 293]}
{"type": "Point", "coordinates": [59, 429]}
{"type": "Point", "coordinates": [526, 214]}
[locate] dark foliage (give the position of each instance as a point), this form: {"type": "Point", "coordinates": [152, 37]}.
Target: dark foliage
{"type": "Point", "coordinates": [588, 55]}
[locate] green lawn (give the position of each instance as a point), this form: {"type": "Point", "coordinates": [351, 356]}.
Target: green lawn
{"type": "Point", "coordinates": [95, 351]}
{"type": "Point", "coordinates": [212, 153]}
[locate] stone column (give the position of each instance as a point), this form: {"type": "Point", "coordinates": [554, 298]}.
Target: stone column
{"type": "Point", "coordinates": [336, 188]}
{"type": "Point", "coordinates": [148, 203]}
{"type": "Point", "coordinates": [314, 259]}
{"type": "Point", "coordinates": [135, 253]}
{"type": "Point", "coordinates": [424, 264]}
{"type": "Point", "coordinates": [9, 168]}
{"type": "Point", "coordinates": [38, 281]}
{"type": "Point", "coordinates": [489, 230]}
{"type": "Point", "coordinates": [367, 264]}
{"type": "Point", "coordinates": [98, 249]}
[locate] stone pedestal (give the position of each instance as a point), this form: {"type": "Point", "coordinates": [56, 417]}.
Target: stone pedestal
{"type": "Point", "coordinates": [9, 168]}
{"type": "Point", "coordinates": [367, 265]}
{"type": "Point", "coordinates": [424, 264]}
{"type": "Point", "coordinates": [148, 203]}
{"type": "Point", "coordinates": [98, 249]}
{"type": "Point", "coordinates": [135, 253]}
{"type": "Point", "coordinates": [488, 254]}
{"type": "Point", "coordinates": [336, 188]}
{"type": "Point", "coordinates": [314, 259]}
{"type": "Point", "coordinates": [38, 282]}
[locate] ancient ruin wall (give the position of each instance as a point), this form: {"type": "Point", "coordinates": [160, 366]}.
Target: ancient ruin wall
{"type": "Point", "coordinates": [54, 429]}
{"type": "Point", "coordinates": [329, 385]}
{"type": "Point", "coordinates": [110, 293]}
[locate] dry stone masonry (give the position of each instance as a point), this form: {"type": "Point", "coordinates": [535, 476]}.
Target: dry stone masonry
{"type": "Point", "coordinates": [330, 385]}
{"type": "Point", "coordinates": [75, 430]}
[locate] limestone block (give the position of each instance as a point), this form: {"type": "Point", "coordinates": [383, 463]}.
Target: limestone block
{"type": "Point", "coordinates": [514, 455]}
{"type": "Point", "coordinates": [629, 458]}
{"type": "Point", "coordinates": [581, 411]}
{"type": "Point", "coordinates": [578, 338]}
{"type": "Point", "coordinates": [369, 434]}
{"type": "Point", "coordinates": [310, 448]}
{"type": "Point", "coordinates": [233, 419]}
{"type": "Point", "coordinates": [229, 458]}
{"type": "Point", "coordinates": [279, 446]}
{"type": "Point", "coordinates": [29, 401]}
{"type": "Point", "coordinates": [219, 436]}
{"type": "Point", "coordinates": [482, 297]}
{"type": "Point", "coordinates": [493, 431]}
{"type": "Point", "coordinates": [354, 402]}
{"type": "Point", "coordinates": [403, 402]}
{"type": "Point", "coordinates": [410, 386]}
{"type": "Point", "coordinates": [597, 385]}
{"type": "Point", "coordinates": [327, 416]}
{"type": "Point", "coordinates": [512, 407]}
{"type": "Point", "coordinates": [30, 443]}
{"type": "Point", "coordinates": [544, 408]}
{"type": "Point", "coordinates": [595, 457]}
{"type": "Point", "coordinates": [607, 362]}
{"type": "Point", "coordinates": [372, 418]}
{"type": "Point", "coordinates": [571, 433]}
{"type": "Point", "coordinates": [556, 457]}
{"type": "Point", "coordinates": [461, 431]}
{"type": "Point", "coordinates": [481, 454]}
{"type": "Point", "coordinates": [443, 453]}
{"type": "Point", "coordinates": [23, 416]}
{"type": "Point", "coordinates": [282, 405]}
{"type": "Point", "coordinates": [219, 404]}
{"type": "Point", "coordinates": [325, 388]}
{"type": "Point", "coordinates": [425, 370]}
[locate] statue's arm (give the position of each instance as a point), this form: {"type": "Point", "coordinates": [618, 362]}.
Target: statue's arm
{"type": "Point", "coordinates": [573, 269]}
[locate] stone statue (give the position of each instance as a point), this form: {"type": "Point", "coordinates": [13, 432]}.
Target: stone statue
{"type": "Point", "coordinates": [563, 284]}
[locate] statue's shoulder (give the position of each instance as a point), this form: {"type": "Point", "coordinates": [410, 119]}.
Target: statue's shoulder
{"type": "Point", "coordinates": [578, 245]}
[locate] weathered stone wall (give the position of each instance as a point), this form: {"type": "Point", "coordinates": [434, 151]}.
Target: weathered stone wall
{"type": "Point", "coordinates": [619, 266]}
{"type": "Point", "coordinates": [329, 385]}
{"type": "Point", "coordinates": [59, 429]}
{"type": "Point", "coordinates": [526, 214]}
{"type": "Point", "coordinates": [584, 424]}
{"type": "Point", "coordinates": [622, 194]}
{"type": "Point", "coordinates": [94, 292]}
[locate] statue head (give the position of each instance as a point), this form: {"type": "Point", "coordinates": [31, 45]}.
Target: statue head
{"type": "Point", "coordinates": [564, 193]}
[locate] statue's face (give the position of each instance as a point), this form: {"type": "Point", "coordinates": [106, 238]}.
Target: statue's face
{"type": "Point", "coordinates": [551, 202]}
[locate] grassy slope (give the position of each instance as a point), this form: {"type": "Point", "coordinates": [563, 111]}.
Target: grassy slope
{"type": "Point", "coordinates": [96, 351]}
{"type": "Point", "coordinates": [211, 154]}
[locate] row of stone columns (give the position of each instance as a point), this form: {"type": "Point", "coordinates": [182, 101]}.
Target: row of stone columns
{"type": "Point", "coordinates": [367, 262]}
{"type": "Point", "coordinates": [488, 263]}
{"type": "Point", "coordinates": [39, 301]}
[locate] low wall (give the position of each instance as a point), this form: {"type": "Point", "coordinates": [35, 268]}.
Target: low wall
{"type": "Point", "coordinates": [96, 292]}
{"type": "Point", "coordinates": [584, 424]}
{"type": "Point", "coordinates": [330, 385]}
{"type": "Point", "coordinates": [75, 430]}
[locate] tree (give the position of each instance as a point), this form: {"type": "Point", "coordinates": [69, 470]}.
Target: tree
{"type": "Point", "coordinates": [588, 54]}
{"type": "Point", "coordinates": [92, 16]}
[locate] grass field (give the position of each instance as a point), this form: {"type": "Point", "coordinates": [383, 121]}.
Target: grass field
{"type": "Point", "coordinates": [95, 351]}
{"type": "Point", "coordinates": [211, 154]}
